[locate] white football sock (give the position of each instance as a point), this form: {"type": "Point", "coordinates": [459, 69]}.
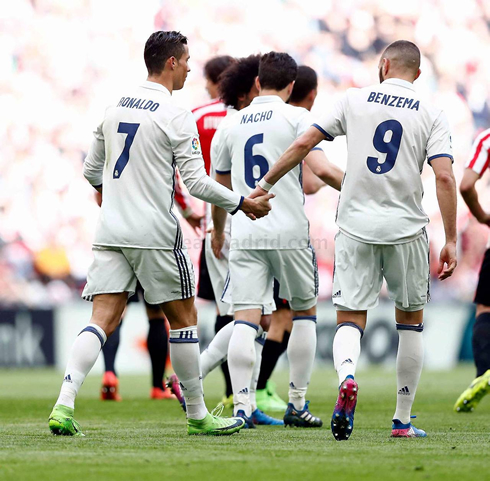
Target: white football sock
{"type": "Point", "coordinates": [185, 356]}
{"type": "Point", "coordinates": [301, 355]}
{"type": "Point", "coordinates": [346, 349]}
{"type": "Point", "coordinates": [409, 363]}
{"type": "Point", "coordinates": [217, 351]}
{"type": "Point", "coordinates": [241, 360]}
{"type": "Point", "coordinates": [84, 353]}
{"type": "Point", "coordinates": [259, 347]}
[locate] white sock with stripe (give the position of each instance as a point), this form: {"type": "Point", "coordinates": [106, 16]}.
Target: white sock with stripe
{"type": "Point", "coordinates": [409, 362]}
{"type": "Point", "coordinates": [346, 349]}
{"type": "Point", "coordinates": [217, 351]}
{"type": "Point", "coordinates": [241, 361]}
{"type": "Point", "coordinates": [259, 347]}
{"type": "Point", "coordinates": [185, 357]}
{"type": "Point", "coordinates": [301, 355]}
{"type": "Point", "coordinates": [84, 353]}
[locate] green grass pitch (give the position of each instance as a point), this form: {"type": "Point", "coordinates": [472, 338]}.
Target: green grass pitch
{"type": "Point", "coordinates": [140, 439]}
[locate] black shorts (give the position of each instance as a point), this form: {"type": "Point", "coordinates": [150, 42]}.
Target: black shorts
{"type": "Point", "coordinates": [204, 287]}
{"type": "Point", "coordinates": [482, 295]}
{"type": "Point", "coordinates": [280, 303]}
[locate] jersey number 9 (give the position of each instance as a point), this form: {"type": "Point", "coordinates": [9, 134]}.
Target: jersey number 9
{"type": "Point", "coordinates": [256, 166]}
{"type": "Point", "coordinates": [390, 147]}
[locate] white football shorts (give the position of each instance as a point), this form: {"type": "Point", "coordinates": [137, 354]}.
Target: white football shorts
{"type": "Point", "coordinates": [253, 271]}
{"type": "Point", "coordinates": [218, 272]}
{"type": "Point", "coordinates": [165, 275]}
{"type": "Point", "coordinates": [360, 268]}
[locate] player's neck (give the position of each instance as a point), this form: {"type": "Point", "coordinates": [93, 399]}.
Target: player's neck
{"type": "Point", "coordinates": [305, 104]}
{"type": "Point", "coordinates": [163, 80]}
{"type": "Point", "coordinates": [283, 94]}
{"type": "Point", "coordinates": [397, 76]}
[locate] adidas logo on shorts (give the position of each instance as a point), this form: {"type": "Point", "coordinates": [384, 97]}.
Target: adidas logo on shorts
{"type": "Point", "coordinates": [337, 294]}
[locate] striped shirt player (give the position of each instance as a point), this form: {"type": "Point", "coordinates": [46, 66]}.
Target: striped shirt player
{"type": "Point", "coordinates": [476, 166]}
{"type": "Point", "coordinates": [144, 137]}
{"type": "Point", "coordinates": [208, 117]}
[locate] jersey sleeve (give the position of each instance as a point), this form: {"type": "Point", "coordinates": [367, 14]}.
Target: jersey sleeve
{"type": "Point", "coordinates": [479, 159]}
{"type": "Point", "coordinates": [220, 154]}
{"type": "Point", "coordinates": [333, 123]}
{"type": "Point", "coordinates": [93, 166]}
{"type": "Point", "coordinates": [181, 199]}
{"type": "Point", "coordinates": [439, 142]}
{"type": "Point", "coordinates": [182, 132]}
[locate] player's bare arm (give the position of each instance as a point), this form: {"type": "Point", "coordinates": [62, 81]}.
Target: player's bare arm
{"type": "Point", "coordinates": [446, 196]}
{"type": "Point", "coordinates": [311, 183]}
{"type": "Point", "coordinates": [297, 151]}
{"type": "Point", "coordinates": [470, 196]}
{"type": "Point", "coordinates": [329, 173]}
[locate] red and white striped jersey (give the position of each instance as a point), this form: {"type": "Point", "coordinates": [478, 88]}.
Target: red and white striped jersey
{"type": "Point", "coordinates": [208, 117]}
{"type": "Point", "coordinates": [480, 153]}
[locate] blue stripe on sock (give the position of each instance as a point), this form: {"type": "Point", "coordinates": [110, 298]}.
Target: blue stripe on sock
{"type": "Point", "coordinates": [178, 340]}
{"type": "Point", "coordinates": [410, 327]}
{"type": "Point", "coordinates": [305, 318]}
{"type": "Point", "coordinates": [260, 340]}
{"type": "Point", "coordinates": [351, 324]}
{"type": "Point", "coordinates": [250, 324]}
{"type": "Point", "coordinates": [96, 332]}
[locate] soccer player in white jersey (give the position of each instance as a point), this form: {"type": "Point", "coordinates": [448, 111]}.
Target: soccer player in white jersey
{"type": "Point", "coordinates": [390, 133]}
{"type": "Point", "coordinates": [143, 138]}
{"type": "Point", "coordinates": [251, 142]}
{"type": "Point", "coordinates": [476, 166]}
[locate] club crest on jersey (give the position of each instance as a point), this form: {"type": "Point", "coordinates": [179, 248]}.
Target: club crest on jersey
{"type": "Point", "coordinates": [196, 146]}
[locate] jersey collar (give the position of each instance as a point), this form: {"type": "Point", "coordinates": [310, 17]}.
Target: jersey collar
{"type": "Point", "coordinates": [267, 98]}
{"type": "Point", "coordinates": [154, 86]}
{"type": "Point", "coordinates": [400, 83]}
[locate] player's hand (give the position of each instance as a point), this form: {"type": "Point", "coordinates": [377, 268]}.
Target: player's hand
{"type": "Point", "coordinates": [194, 221]}
{"type": "Point", "coordinates": [217, 243]}
{"type": "Point", "coordinates": [257, 192]}
{"type": "Point", "coordinates": [447, 261]}
{"type": "Point", "coordinates": [258, 207]}
{"type": "Point", "coordinates": [485, 220]}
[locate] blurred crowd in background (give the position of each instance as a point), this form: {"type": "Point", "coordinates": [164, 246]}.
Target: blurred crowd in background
{"type": "Point", "coordinates": [62, 62]}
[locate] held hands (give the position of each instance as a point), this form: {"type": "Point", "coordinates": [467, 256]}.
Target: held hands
{"type": "Point", "coordinates": [448, 257]}
{"type": "Point", "coordinates": [257, 206]}
{"type": "Point", "coordinates": [257, 192]}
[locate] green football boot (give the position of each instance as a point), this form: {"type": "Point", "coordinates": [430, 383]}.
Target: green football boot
{"type": "Point", "coordinates": [61, 422]}
{"type": "Point", "coordinates": [227, 401]}
{"type": "Point", "coordinates": [269, 400]}
{"type": "Point", "coordinates": [470, 398]}
{"type": "Point", "coordinates": [213, 425]}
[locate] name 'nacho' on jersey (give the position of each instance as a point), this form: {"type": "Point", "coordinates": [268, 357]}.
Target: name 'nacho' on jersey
{"type": "Point", "coordinates": [393, 101]}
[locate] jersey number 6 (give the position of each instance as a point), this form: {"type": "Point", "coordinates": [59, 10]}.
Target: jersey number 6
{"type": "Point", "coordinates": [256, 166]}
{"type": "Point", "coordinates": [130, 129]}
{"type": "Point", "coordinates": [390, 147]}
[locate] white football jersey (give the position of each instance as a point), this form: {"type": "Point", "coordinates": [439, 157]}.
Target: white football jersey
{"type": "Point", "coordinates": [250, 142]}
{"type": "Point", "coordinates": [390, 132]}
{"type": "Point", "coordinates": [137, 148]}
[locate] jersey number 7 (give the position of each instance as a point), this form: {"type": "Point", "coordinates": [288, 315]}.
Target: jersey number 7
{"type": "Point", "coordinates": [390, 147]}
{"type": "Point", "coordinates": [122, 161]}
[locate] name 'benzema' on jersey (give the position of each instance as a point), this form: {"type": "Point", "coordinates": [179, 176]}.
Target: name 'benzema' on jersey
{"type": "Point", "coordinates": [390, 132]}
{"type": "Point", "coordinates": [251, 141]}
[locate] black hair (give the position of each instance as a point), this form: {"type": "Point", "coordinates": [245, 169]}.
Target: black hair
{"type": "Point", "coordinates": [160, 46]}
{"type": "Point", "coordinates": [406, 53]}
{"type": "Point", "coordinates": [238, 79]}
{"type": "Point", "coordinates": [277, 70]}
{"type": "Point", "coordinates": [216, 66]}
{"type": "Point", "coordinates": [306, 81]}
